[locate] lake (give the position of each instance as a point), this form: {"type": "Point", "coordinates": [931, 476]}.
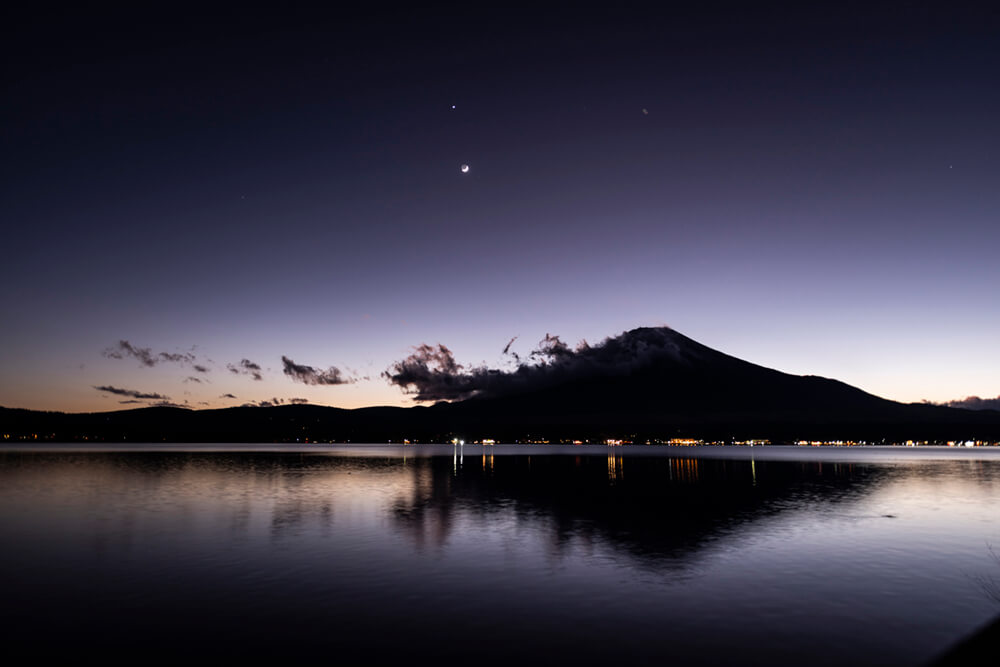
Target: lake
{"type": "Point", "coordinates": [498, 554]}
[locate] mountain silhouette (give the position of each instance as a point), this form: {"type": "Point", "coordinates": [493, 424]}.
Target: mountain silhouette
{"type": "Point", "coordinates": [646, 384]}
{"type": "Point", "coordinates": [656, 380]}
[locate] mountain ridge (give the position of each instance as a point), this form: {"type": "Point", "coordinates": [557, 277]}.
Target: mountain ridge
{"type": "Point", "coordinates": [646, 383]}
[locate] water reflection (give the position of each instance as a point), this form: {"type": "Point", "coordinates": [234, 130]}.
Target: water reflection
{"type": "Point", "coordinates": [290, 553]}
{"type": "Point", "coordinates": [616, 467]}
{"type": "Point", "coordinates": [660, 515]}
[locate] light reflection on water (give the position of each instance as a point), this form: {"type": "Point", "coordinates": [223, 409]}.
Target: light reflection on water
{"type": "Point", "coordinates": [591, 554]}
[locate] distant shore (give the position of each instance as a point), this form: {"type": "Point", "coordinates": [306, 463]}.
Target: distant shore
{"type": "Point", "coordinates": [817, 455]}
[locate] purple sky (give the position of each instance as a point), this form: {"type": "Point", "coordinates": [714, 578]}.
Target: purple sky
{"type": "Point", "coordinates": [814, 190]}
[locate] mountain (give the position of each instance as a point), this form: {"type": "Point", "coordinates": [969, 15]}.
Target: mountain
{"type": "Point", "coordinates": [656, 380]}
{"type": "Point", "coordinates": [648, 383]}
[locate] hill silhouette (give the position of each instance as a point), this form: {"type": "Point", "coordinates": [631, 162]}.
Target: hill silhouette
{"type": "Point", "coordinates": [648, 383]}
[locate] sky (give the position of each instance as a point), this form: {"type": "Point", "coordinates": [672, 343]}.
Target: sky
{"type": "Point", "coordinates": [191, 200]}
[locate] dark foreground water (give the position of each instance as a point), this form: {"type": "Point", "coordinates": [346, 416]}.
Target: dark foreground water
{"type": "Point", "coordinates": [497, 555]}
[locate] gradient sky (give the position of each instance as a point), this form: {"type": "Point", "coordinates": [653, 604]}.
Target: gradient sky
{"type": "Point", "coordinates": [813, 189]}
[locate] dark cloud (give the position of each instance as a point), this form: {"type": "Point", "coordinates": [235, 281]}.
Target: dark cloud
{"type": "Point", "coordinates": [191, 378]}
{"type": "Point", "coordinates": [432, 374]}
{"type": "Point", "coordinates": [246, 367]}
{"type": "Point", "coordinates": [508, 352]}
{"type": "Point", "coordinates": [506, 348]}
{"type": "Point", "coordinates": [227, 396]}
{"type": "Point", "coordinates": [131, 400]}
{"type": "Point", "coordinates": [551, 347]}
{"type": "Point", "coordinates": [310, 375]}
{"type": "Point", "coordinates": [168, 404]}
{"type": "Point", "coordinates": [124, 348]}
{"type": "Point", "coordinates": [199, 368]}
{"type": "Point", "coordinates": [975, 403]}
{"type": "Point", "coordinates": [146, 356]}
{"type": "Point", "coordinates": [270, 403]}
{"type": "Point", "coordinates": [131, 392]}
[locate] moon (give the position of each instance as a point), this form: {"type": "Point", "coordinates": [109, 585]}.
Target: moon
{"type": "Point", "coordinates": [465, 169]}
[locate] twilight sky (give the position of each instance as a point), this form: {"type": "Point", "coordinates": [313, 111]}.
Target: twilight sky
{"type": "Point", "coordinates": [811, 189]}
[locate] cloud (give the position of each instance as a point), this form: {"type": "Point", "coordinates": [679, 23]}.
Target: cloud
{"type": "Point", "coordinates": [227, 396]}
{"type": "Point", "coordinates": [270, 403]}
{"type": "Point", "coordinates": [975, 403]}
{"type": "Point", "coordinates": [551, 347]}
{"type": "Point", "coordinates": [506, 348]}
{"type": "Point", "coordinates": [508, 352]}
{"type": "Point", "coordinates": [131, 400]}
{"type": "Point", "coordinates": [146, 356]}
{"type": "Point", "coordinates": [310, 375]}
{"type": "Point", "coordinates": [191, 378]}
{"type": "Point", "coordinates": [246, 367]}
{"type": "Point", "coordinates": [431, 373]}
{"type": "Point", "coordinates": [169, 404]}
{"type": "Point", "coordinates": [131, 392]}
{"type": "Point", "coordinates": [200, 368]}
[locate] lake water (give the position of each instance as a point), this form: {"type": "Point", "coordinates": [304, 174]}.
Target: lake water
{"type": "Point", "coordinates": [498, 555]}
